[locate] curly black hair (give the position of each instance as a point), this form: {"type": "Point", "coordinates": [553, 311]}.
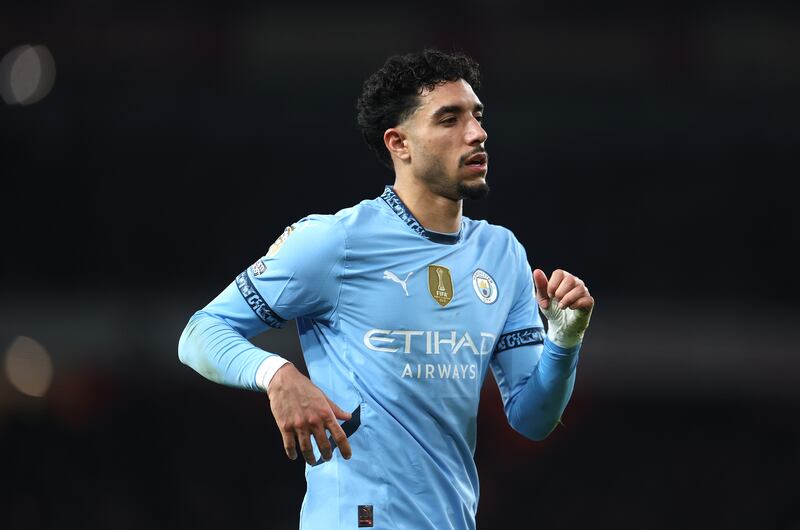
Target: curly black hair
{"type": "Point", "coordinates": [392, 93]}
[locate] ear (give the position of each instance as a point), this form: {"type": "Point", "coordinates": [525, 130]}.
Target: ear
{"type": "Point", "coordinates": [395, 141]}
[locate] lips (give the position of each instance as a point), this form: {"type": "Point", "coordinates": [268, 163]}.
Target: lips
{"type": "Point", "coordinates": [478, 159]}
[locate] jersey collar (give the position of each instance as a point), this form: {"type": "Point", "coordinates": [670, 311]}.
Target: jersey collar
{"type": "Point", "coordinates": [402, 211]}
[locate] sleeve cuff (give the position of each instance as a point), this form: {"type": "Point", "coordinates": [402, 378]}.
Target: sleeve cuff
{"type": "Point", "coordinates": [557, 348]}
{"type": "Point", "coordinates": [267, 369]}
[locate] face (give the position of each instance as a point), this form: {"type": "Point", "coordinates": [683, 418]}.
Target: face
{"type": "Point", "coordinates": [445, 141]}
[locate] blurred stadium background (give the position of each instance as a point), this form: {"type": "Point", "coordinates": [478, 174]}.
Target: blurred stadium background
{"type": "Point", "coordinates": [149, 151]}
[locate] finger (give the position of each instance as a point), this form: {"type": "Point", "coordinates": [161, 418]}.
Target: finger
{"type": "Point", "coordinates": [567, 295]}
{"type": "Point", "coordinates": [540, 283]}
{"type": "Point", "coordinates": [339, 413]}
{"type": "Point", "coordinates": [289, 445]}
{"type": "Point", "coordinates": [555, 281]}
{"type": "Point", "coordinates": [323, 444]}
{"type": "Point", "coordinates": [305, 446]}
{"type": "Point", "coordinates": [340, 438]}
{"type": "Point", "coordinates": [568, 282]}
{"type": "Point", "coordinates": [585, 303]}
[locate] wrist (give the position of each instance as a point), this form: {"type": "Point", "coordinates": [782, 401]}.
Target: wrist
{"type": "Point", "coordinates": [562, 338]}
{"type": "Point", "coordinates": [565, 327]}
{"type": "Point", "coordinates": [267, 370]}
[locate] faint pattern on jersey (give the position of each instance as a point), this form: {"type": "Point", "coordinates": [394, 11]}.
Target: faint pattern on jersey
{"type": "Point", "coordinates": [389, 275]}
{"type": "Point", "coordinates": [522, 337]}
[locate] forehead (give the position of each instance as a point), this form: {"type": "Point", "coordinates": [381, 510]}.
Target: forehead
{"type": "Point", "coordinates": [452, 93]}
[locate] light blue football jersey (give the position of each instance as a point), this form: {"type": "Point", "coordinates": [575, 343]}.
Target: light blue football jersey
{"type": "Point", "coordinates": [399, 325]}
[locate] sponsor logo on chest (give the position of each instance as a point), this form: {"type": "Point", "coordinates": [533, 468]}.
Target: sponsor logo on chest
{"type": "Point", "coordinates": [428, 342]}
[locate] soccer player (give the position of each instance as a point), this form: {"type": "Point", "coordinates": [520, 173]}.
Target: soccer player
{"type": "Point", "coordinates": [402, 305]}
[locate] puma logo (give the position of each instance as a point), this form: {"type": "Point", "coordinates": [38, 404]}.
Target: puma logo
{"type": "Point", "coordinates": [389, 275]}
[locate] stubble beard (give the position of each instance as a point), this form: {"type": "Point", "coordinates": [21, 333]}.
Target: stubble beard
{"type": "Point", "coordinates": [474, 191]}
{"type": "Point", "coordinates": [436, 180]}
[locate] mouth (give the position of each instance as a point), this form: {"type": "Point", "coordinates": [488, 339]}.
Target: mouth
{"type": "Point", "coordinates": [477, 162]}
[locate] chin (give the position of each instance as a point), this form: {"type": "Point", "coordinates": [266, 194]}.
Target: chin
{"type": "Point", "coordinates": [474, 190]}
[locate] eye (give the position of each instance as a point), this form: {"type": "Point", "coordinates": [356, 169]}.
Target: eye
{"type": "Point", "coordinates": [449, 120]}
{"type": "Point", "coordinates": [479, 117]}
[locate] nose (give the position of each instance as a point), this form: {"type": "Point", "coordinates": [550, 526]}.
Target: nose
{"type": "Point", "coordinates": [476, 134]}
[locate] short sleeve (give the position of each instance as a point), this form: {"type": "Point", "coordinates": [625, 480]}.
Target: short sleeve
{"type": "Point", "coordinates": [300, 275]}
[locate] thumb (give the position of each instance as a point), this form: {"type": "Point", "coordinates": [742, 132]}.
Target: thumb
{"type": "Point", "coordinates": [540, 282]}
{"type": "Point", "coordinates": [339, 413]}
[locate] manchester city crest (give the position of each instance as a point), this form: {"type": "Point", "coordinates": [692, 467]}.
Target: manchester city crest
{"type": "Point", "coordinates": [484, 286]}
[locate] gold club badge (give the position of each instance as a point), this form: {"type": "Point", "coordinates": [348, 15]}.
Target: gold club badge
{"type": "Point", "coordinates": [440, 284]}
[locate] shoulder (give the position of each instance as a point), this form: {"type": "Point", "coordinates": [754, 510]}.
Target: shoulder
{"type": "Point", "coordinates": [313, 228]}
{"type": "Point", "coordinates": [484, 231]}
{"type": "Point", "coordinates": [316, 232]}
{"type": "Point", "coordinates": [358, 224]}
{"type": "Point", "coordinates": [361, 214]}
{"type": "Point", "coordinates": [329, 225]}
{"type": "Point", "coordinates": [314, 237]}
{"type": "Point", "coordinates": [346, 218]}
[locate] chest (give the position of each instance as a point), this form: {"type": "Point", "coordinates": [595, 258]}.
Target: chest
{"type": "Point", "coordinates": [429, 300]}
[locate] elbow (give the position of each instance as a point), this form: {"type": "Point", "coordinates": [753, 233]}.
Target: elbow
{"type": "Point", "coordinates": [193, 349]}
{"type": "Point", "coordinates": [186, 353]}
{"type": "Point", "coordinates": [534, 425]}
{"type": "Point", "coordinates": [536, 432]}
{"type": "Point", "coordinates": [183, 351]}
{"type": "Point", "coordinates": [535, 414]}
{"type": "Point", "coordinates": [538, 436]}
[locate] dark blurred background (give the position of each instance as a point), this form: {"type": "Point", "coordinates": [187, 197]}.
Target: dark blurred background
{"type": "Point", "coordinates": [150, 151]}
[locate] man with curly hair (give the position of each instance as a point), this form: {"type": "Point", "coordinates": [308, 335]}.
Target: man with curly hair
{"type": "Point", "coordinates": [403, 305]}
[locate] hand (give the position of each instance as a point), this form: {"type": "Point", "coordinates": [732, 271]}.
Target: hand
{"type": "Point", "coordinates": [302, 410]}
{"type": "Point", "coordinates": [567, 304]}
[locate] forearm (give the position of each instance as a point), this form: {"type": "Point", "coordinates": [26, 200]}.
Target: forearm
{"type": "Point", "coordinates": [215, 350]}
{"type": "Point", "coordinates": [537, 406]}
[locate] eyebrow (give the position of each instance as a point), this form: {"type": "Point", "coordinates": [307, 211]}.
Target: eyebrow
{"type": "Point", "coordinates": [455, 109]}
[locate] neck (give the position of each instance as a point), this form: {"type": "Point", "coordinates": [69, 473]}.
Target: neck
{"type": "Point", "coordinates": [434, 212]}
